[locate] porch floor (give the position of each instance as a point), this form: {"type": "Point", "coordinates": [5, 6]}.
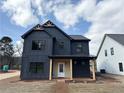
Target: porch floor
{"type": "Point", "coordinates": [74, 80]}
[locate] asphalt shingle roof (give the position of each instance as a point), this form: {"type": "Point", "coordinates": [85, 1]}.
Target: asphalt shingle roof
{"type": "Point", "coordinates": [117, 37]}
{"type": "Point", "coordinates": [78, 37]}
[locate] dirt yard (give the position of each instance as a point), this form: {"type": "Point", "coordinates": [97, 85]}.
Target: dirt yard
{"type": "Point", "coordinates": [104, 84]}
{"type": "Point", "coordinates": [96, 88]}
{"type": "Point", "coordinates": [14, 85]}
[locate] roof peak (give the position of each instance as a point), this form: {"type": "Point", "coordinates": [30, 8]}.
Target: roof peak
{"type": "Point", "coordinates": [48, 23]}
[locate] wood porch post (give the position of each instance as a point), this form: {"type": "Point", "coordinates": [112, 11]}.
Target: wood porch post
{"type": "Point", "coordinates": [93, 69]}
{"type": "Point", "coordinates": [50, 72]}
{"type": "Point", "coordinates": [71, 76]}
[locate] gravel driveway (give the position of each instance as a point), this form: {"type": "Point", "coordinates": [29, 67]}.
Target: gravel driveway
{"type": "Point", "coordinates": [9, 74]}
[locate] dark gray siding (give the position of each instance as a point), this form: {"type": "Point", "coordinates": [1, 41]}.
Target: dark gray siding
{"type": "Point", "coordinates": [58, 38]}
{"type": "Point", "coordinates": [53, 37]}
{"type": "Point", "coordinates": [85, 48]}
{"type": "Point", "coordinates": [30, 55]}
{"type": "Point", "coordinates": [39, 35]}
{"type": "Point", "coordinates": [26, 74]}
{"type": "Point", "coordinates": [81, 68]}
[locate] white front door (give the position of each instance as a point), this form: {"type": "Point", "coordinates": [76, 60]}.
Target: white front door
{"type": "Point", "coordinates": [61, 70]}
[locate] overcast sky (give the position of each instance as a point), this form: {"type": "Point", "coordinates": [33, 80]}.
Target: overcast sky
{"type": "Point", "coordinates": [91, 18]}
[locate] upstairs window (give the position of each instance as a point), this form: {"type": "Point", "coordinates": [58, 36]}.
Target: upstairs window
{"type": "Point", "coordinates": [36, 67]}
{"type": "Point", "coordinates": [106, 53]}
{"type": "Point", "coordinates": [61, 44]}
{"type": "Point", "coordinates": [38, 45]}
{"type": "Point", "coordinates": [79, 48]}
{"type": "Point", "coordinates": [121, 67]}
{"type": "Point", "coordinates": [112, 51]}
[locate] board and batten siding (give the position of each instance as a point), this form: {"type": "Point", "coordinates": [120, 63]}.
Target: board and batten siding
{"type": "Point", "coordinates": [85, 47]}
{"type": "Point", "coordinates": [59, 37]}
{"type": "Point", "coordinates": [30, 55]}
{"type": "Point", "coordinates": [111, 62]}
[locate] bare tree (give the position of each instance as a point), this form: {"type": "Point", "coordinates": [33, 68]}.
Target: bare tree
{"type": "Point", "coordinates": [18, 48]}
{"type": "Point", "coordinates": [6, 46]}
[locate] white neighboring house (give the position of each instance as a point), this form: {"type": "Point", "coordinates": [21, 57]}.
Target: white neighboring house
{"type": "Point", "coordinates": [111, 54]}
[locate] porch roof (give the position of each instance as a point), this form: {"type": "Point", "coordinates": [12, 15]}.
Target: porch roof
{"type": "Point", "coordinates": [73, 56]}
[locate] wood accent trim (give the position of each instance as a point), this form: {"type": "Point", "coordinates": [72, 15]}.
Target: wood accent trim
{"type": "Point", "coordinates": [50, 72]}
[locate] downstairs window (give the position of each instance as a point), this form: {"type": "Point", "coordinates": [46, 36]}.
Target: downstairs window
{"type": "Point", "coordinates": [121, 67]}
{"type": "Point", "coordinates": [36, 67]}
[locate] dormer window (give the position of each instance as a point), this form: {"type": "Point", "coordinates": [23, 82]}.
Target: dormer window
{"type": "Point", "coordinates": [38, 45]}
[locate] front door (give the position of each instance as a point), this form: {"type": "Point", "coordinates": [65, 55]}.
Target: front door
{"type": "Point", "coordinates": [61, 70]}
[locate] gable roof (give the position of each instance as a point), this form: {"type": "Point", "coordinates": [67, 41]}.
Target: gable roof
{"type": "Point", "coordinates": [41, 27]}
{"type": "Point", "coordinates": [117, 37]}
{"type": "Point", "coordinates": [79, 37]}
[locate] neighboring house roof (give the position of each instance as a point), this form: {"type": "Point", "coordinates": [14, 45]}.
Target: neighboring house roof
{"type": "Point", "coordinates": [79, 37]}
{"type": "Point", "coordinates": [117, 37]}
{"type": "Point", "coordinates": [41, 27]}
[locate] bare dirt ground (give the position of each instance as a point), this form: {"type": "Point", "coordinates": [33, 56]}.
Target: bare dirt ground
{"type": "Point", "coordinates": [14, 85]}
{"type": "Point", "coordinates": [104, 84]}
{"type": "Point", "coordinates": [96, 88]}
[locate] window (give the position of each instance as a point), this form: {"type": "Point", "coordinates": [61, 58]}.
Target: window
{"type": "Point", "coordinates": [38, 45]}
{"type": "Point", "coordinates": [121, 67]}
{"type": "Point", "coordinates": [36, 67]}
{"type": "Point", "coordinates": [105, 52]}
{"type": "Point", "coordinates": [61, 44]}
{"type": "Point", "coordinates": [112, 51]}
{"type": "Point", "coordinates": [61, 66]}
{"type": "Point", "coordinates": [79, 48]}
{"type": "Point", "coordinates": [79, 45]}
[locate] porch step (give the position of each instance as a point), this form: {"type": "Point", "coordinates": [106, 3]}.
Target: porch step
{"type": "Point", "coordinates": [61, 87]}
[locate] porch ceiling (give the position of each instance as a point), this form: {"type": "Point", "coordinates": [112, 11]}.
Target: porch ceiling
{"type": "Point", "coordinates": [72, 56]}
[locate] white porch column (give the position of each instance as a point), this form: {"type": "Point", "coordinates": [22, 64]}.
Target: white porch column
{"type": "Point", "coordinates": [93, 69]}
{"type": "Point", "coordinates": [50, 72]}
{"type": "Point", "coordinates": [71, 76]}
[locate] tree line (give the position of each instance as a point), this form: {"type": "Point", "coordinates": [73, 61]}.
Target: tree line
{"type": "Point", "coordinates": [8, 51]}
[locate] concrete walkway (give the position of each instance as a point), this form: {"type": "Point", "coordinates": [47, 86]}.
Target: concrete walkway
{"type": "Point", "coordinates": [61, 87]}
{"type": "Point", "coordinates": [9, 74]}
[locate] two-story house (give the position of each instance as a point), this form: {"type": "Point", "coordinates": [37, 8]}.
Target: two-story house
{"type": "Point", "coordinates": [49, 53]}
{"type": "Point", "coordinates": [110, 57]}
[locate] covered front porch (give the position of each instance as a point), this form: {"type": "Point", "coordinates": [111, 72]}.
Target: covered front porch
{"type": "Point", "coordinates": [70, 67]}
